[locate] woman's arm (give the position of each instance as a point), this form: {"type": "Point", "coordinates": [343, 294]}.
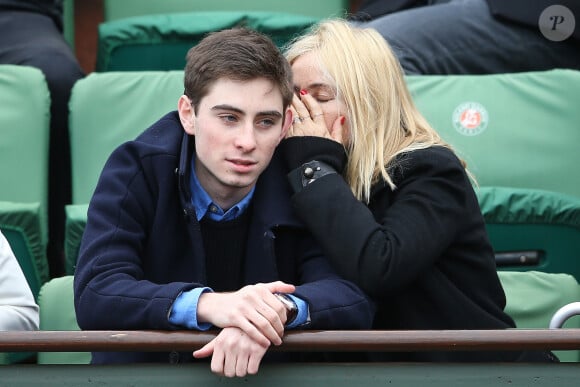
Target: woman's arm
{"type": "Point", "coordinates": [18, 310]}
{"type": "Point", "coordinates": [387, 244]}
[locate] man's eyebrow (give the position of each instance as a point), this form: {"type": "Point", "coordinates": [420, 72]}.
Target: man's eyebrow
{"type": "Point", "coordinates": [275, 113]}
{"type": "Point", "coordinates": [227, 107]}
{"type": "Point", "coordinates": [240, 111]}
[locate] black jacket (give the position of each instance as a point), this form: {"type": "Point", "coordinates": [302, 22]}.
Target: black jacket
{"type": "Point", "coordinates": [421, 251]}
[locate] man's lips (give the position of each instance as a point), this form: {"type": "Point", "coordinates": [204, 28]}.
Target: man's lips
{"type": "Point", "coordinates": [242, 165]}
{"type": "Point", "coordinates": [242, 161]}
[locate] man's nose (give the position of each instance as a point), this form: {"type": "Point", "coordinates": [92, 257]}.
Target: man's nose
{"type": "Point", "coordinates": [246, 137]}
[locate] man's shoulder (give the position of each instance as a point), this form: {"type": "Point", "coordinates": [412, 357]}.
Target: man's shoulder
{"type": "Point", "coordinates": [164, 131]}
{"type": "Point", "coordinates": [162, 137]}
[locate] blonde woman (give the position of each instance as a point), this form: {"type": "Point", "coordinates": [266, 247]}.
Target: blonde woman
{"type": "Point", "coordinates": [389, 201]}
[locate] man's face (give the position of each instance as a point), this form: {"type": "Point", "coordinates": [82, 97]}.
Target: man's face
{"type": "Point", "coordinates": [237, 128]}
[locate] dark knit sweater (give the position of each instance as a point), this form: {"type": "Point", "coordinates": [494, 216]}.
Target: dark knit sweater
{"type": "Point", "coordinates": [225, 247]}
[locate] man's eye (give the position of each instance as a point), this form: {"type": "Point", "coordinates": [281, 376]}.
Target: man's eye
{"type": "Point", "coordinates": [228, 118]}
{"type": "Point", "coordinates": [266, 122]}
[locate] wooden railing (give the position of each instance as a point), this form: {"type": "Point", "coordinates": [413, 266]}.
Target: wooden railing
{"type": "Point", "coordinates": [448, 340]}
{"type": "Point", "coordinates": [296, 374]}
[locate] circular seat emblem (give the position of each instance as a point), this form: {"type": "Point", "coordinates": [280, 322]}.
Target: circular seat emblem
{"type": "Point", "coordinates": [470, 118]}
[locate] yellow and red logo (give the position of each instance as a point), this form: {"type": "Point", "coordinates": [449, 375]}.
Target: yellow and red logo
{"type": "Point", "coordinates": [470, 118]}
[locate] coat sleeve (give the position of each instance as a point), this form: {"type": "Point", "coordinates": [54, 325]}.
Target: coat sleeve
{"type": "Point", "coordinates": [110, 287]}
{"type": "Point", "coordinates": [389, 243]}
{"type": "Point", "coordinates": [334, 303]}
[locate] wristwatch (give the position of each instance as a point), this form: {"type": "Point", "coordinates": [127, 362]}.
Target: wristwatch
{"type": "Point", "coordinates": [291, 308]}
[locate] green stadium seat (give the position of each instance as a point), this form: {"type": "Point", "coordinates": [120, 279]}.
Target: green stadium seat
{"type": "Point", "coordinates": [115, 9]}
{"type": "Point", "coordinates": [533, 229]}
{"type": "Point", "coordinates": [57, 313]}
{"type": "Point", "coordinates": [20, 224]}
{"type": "Point", "coordinates": [107, 109]}
{"type": "Point", "coordinates": [516, 130]}
{"type": "Point", "coordinates": [76, 220]}
{"type": "Point", "coordinates": [24, 130]}
{"type": "Point", "coordinates": [518, 134]}
{"type": "Point", "coordinates": [533, 297]}
{"type": "Point", "coordinates": [161, 42]}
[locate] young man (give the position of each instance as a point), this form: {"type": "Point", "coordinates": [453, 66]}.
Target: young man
{"type": "Point", "coordinates": [190, 226]}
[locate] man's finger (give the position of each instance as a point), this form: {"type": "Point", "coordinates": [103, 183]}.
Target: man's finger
{"type": "Point", "coordinates": [205, 351]}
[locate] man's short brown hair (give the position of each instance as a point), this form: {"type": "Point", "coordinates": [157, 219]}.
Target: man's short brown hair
{"type": "Point", "coordinates": [239, 54]}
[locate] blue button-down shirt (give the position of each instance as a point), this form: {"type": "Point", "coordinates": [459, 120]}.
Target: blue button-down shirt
{"type": "Point", "coordinates": [184, 309]}
{"type": "Point", "coordinates": [204, 205]}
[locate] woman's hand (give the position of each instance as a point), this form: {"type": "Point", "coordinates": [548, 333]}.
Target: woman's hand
{"type": "Point", "coordinates": [309, 120]}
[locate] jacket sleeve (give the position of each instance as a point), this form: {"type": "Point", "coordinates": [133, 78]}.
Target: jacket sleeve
{"type": "Point", "coordinates": [18, 310]}
{"type": "Point", "coordinates": [110, 288]}
{"type": "Point", "coordinates": [334, 303]}
{"type": "Point", "coordinates": [389, 243]}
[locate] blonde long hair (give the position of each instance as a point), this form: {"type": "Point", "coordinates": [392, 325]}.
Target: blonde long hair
{"type": "Point", "coordinates": [384, 121]}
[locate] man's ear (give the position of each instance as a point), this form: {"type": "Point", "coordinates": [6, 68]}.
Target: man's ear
{"type": "Point", "coordinates": [286, 125]}
{"type": "Point", "coordinates": [186, 114]}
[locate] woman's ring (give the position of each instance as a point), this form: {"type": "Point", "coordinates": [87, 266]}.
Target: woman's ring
{"type": "Point", "coordinates": [297, 120]}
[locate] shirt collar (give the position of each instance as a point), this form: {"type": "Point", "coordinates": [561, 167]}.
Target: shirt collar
{"type": "Point", "coordinates": [204, 205]}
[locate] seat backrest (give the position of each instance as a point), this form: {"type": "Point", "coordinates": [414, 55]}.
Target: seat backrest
{"type": "Point", "coordinates": [57, 313]}
{"type": "Point", "coordinates": [107, 109]}
{"type": "Point", "coordinates": [532, 298]}
{"type": "Point", "coordinates": [76, 220]}
{"type": "Point", "coordinates": [518, 133]}
{"type": "Point", "coordinates": [533, 229]}
{"type": "Point", "coordinates": [161, 42]}
{"type": "Point", "coordinates": [24, 133]}
{"type": "Point", "coordinates": [514, 130]}
{"type": "Point", "coordinates": [20, 224]}
{"type": "Point", "coordinates": [115, 9]}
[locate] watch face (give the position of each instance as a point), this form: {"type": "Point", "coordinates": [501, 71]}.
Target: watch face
{"type": "Point", "coordinates": [291, 308]}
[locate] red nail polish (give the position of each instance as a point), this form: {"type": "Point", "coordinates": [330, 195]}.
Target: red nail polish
{"type": "Point", "coordinates": [303, 92]}
{"type": "Point", "coordinates": [342, 119]}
